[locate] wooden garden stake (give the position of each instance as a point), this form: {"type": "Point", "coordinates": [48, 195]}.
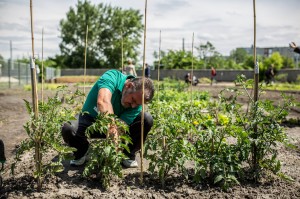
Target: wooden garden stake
{"type": "Point", "coordinates": [143, 96]}
{"type": "Point", "coordinates": [42, 90]}
{"type": "Point", "coordinates": [122, 53]}
{"type": "Point", "coordinates": [84, 78]}
{"type": "Point", "coordinates": [192, 71]}
{"type": "Point", "coordinates": [256, 79]}
{"type": "Point", "coordinates": [192, 77]}
{"type": "Point", "coordinates": [158, 67]}
{"type": "Point", "coordinates": [38, 155]}
{"type": "Point", "coordinates": [158, 74]}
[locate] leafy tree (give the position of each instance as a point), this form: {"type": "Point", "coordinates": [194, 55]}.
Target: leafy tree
{"type": "Point", "coordinates": [239, 55]}
{"type": "Point", "coordinates": [107, 26]}
{"type": "Point", "coordinates": [179, 60]}
{"type": "Point", "coordinates": [288, 63]}
{"type": "Point", "coordinates": [1, 60]}
{"type": "Point", "coordinates": [275, 59]}
{"type": "Point", "coordinates": [205, 52]}
{"type": "Point", "coordinates": [216, 60]}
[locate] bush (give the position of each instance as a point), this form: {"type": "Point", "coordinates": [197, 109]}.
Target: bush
{"type": "Point", "coordinates": [298, 79]}
{"type": "Point", "coordinates": [204, 80]}
{"type": "Point", "coordinates": [281, 77]}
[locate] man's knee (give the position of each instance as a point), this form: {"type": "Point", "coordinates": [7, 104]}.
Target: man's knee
{"type": "Point", "coordinates": [67, 132]}
{"type": "Point", "coordinates": [148, 120]}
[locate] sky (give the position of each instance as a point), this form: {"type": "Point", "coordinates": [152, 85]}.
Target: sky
{"type": "Point", "coordinates": [226, 24]}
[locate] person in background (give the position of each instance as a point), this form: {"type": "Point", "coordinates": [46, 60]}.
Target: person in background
{"type": "Point", "coordinates": [147, 70]}
{"type": "Point", "coordinates": [113, 93]}
{"type": "Point", "coordinates": [130, 68]}
{"type": "Point", "coordinates": [213, 74]}
{"type": "Point", "coordinates": [269, 74]}
{"type": "Point", "coordinates": [295, 47]}
{"type": "Point", "coordinates": [187, 78]}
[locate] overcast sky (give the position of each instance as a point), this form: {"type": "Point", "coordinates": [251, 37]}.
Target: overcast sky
{"type": "Point", "coordinates": [226, 24]}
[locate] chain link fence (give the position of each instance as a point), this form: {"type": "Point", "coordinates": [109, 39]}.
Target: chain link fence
{"type": "Point", "coordinates": [16, 74]}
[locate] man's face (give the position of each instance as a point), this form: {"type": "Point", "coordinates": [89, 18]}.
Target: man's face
{"type": "Point", "coordinates": [131, 99]}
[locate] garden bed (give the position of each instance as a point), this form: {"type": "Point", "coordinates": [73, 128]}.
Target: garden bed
{"type": "Point", "coordinates": [70, 183]}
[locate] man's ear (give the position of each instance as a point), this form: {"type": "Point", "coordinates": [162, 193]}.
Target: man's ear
{"type": "Point", "coordinates": [129, 84]}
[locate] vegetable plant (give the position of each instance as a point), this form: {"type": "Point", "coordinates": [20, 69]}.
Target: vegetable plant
{"type": "Point", "coordinates": [106, 154]}
{"type": "Point", "coordinates": [44, 133]}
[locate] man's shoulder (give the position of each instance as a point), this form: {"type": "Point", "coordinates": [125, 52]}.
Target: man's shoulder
{"type": "Point", "coordinates": [112, 71]}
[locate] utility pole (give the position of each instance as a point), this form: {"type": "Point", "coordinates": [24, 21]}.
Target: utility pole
{"type": "Point", "coordinates": [183, 44]}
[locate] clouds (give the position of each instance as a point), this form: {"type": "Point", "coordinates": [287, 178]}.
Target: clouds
{"type": "Point", "coordinates": [226, 24]}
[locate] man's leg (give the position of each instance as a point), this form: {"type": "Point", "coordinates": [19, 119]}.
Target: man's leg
{"type": "Point", "coordinates": [135, 133]}
{"type": "Point", "coordinates": [75, 137]}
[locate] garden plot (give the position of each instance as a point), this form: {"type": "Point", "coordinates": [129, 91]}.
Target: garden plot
{"type": "Point", "coordinates": [70, 184]}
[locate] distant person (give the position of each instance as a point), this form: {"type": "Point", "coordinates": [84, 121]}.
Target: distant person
{"type": "Point", "coordinates": [269, 74]}
{"type": "Point", "coordinates": [213, 74]}
{"type": "Point", "coordinates": [147, 71]}
{"type": "Point", "coordinates": [188, 79]}
{"type": "Point", "coordinates": [295, 47]}
{"type": "Point", "coordinates": [195, 81]}
{"type": "Point", "coordinates": [130, 68]}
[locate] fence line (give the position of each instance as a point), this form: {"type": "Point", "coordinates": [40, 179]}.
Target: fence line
{"type": "Point", "coordinates": [15, 73]}
{"type": "Point", "coordinates": [18, 74]}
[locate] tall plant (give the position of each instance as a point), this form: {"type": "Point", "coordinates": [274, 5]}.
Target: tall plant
{"type": "Point", "coordinates": [44, 133]}
{"type": "Point", "coordinates": [106, 154]}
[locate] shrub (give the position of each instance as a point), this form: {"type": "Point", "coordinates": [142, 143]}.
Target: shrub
{"type": "Point", "coordinates": [281, 77]}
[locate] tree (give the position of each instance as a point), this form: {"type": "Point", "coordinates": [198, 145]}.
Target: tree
{"type": "Point", "coordinates": [239, 55]}
{"type": "Point", "coordinates": [179, 60]}
{"type": "Point", "coordinates": [206, 51]}
{"type": "Point", "coordinates": [107, 26]}
{"type": "Point", "coordinates": [275, 59]}
{"type": "Point", "coordinates": [288, 62]}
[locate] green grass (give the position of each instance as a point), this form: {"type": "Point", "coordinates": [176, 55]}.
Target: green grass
{"type": "Point", "coordinates": [47, 86]}
{"type": "Point", "coordinates": [282, 87]}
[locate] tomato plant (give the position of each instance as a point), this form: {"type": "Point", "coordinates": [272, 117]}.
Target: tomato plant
{"type": "Point", "coordinates": [44, 132]}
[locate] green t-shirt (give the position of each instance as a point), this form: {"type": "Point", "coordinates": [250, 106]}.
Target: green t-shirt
{"type": "Point", "coordinates": [114, 81]}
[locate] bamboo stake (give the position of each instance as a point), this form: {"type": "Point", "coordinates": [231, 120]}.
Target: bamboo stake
{"type": "Point", "coordinates": [85, 49]}
{"type": "Point", "coordinates": [42, 90]}
{"type": "Point", "coordinates": [192, 78]}
{"type": "Point", "coordinates": [38, 155]}
{"type": "Point", "coordinates": [143, 96]}
{"type": "Point", "coordinates": [122, 53]}
{"type": "Point", "coordinates": [158, 68]}
{"type": "Point", "coordinates": [158, 74]}
{"type": "Point", "coordinates": [33, 69]}
{"type": "Point", "coordinates": [192, 72]}
{"type": "Point", "coordinates": [256, 79]}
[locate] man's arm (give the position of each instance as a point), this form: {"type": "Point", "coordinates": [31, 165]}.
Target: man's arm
{"type": "Point", "coordinates": [104, 101]}
{"type": "Point", "coordinates": [134, 71]}
{"type": "Point", "coordinates": [104, 106]}
{"type": "Point", "coordinates": [295, 47]}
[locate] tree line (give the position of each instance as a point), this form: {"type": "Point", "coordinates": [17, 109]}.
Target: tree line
{"type": "Point", "coordinates": [113, 32]}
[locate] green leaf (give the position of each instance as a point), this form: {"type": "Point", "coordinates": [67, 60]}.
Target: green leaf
{"type": "Point", "coordinates": [218, 178]}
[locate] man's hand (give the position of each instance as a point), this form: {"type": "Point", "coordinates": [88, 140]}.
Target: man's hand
{"type": "Point", "coordinates": [113, 133]}
{"type": "Point", "coordinates": [293, 45]}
